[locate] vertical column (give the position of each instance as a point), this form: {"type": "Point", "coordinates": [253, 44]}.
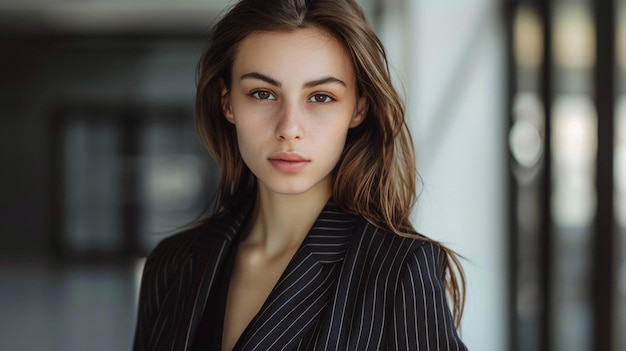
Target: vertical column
{"type": "Point", "coordinates": [603, 241]}
{"type": "Point", "coordinates": [573, 162]}
{"type": "Point", "coordinates": [545, 91]}
{"type": "Point", "coordinates": [527, 143]}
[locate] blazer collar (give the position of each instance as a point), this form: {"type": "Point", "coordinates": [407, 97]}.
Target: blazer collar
{"type": "Point", "coordinates": [221, 231]}
{"type": "Point", "coordinates": [327, 239]}
{"type": "Point", "coordinates": [329, 236]}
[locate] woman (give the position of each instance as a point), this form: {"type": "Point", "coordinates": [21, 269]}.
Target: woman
{"type": "Point", "coordinates": [310, 245]}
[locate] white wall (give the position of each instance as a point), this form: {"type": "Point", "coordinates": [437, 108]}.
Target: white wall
{"type": "Point", "coordinates": [452, 53]}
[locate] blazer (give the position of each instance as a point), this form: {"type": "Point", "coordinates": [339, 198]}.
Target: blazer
{"type": "Point", "coordinates": [350, 286]}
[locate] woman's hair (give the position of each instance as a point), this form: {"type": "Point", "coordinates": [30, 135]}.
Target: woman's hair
{"type": "Point", "coordinates": [376, 176]}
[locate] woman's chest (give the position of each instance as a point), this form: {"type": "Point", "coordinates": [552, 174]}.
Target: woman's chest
{"type": "Point", "coordinates": [252, 280]}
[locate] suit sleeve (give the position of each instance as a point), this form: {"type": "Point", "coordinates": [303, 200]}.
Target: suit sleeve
{"type": "Point", "coordinates": [421, 315]}
{"type": "Point", "coordinates": [155, 280]}
{"type": "Point", "coordinates": [147, 305]}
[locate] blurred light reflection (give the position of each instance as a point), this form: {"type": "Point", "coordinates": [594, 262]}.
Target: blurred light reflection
{"type": "Point", "coordinates": [574, 146]}
{"type": "Point", "coordinates": [527, 133]}
{"type": "Point", "coordinates": [92, 171]}
{"type": "Point", "coordinates": [528, 38]}
{"type": "Point", "coordinates": [620, 201]}
{"type": "Point", "coordinates": [620, 161]}
{"type": "Point", "coordinates": [574, 36]}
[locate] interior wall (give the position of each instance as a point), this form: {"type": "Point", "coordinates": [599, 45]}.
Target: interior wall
{"type": "Point", "coordinates": [448, 57]}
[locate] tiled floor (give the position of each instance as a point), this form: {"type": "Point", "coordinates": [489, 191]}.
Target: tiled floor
{"type": "Point", "coordinates": [45, 306]}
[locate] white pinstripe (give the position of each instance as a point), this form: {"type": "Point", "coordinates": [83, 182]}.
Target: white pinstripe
{"type": "Point", "coordinates": [363, 314]}
{"type": "Point", "coordinates": [384, 299]}
{"type": "Point", "coordinates": [437, 283]}
{"type": "Point", "coordinates": [351, 274]}
{"type": "Point", "coordinates": [278, 309]}
{"type": "Point", "coordinates": [414, 299]}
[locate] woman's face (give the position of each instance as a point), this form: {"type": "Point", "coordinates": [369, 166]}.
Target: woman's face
{"type": "Point", "coordinates": [293, 99]}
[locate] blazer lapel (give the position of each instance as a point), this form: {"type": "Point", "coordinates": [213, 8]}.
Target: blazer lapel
{"type": "Point", "coordinates": [186, 300]}
{"type": "Point", "coordinates": [305, 288]}
{"type": "Point", "coordinates": [211, 250]}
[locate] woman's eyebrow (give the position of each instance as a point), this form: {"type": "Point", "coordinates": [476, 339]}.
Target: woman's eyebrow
{"type": "Point", "coordinates": [311, 84]}
{"type": "Point", "coordinates": [260, 76]}
{"type": "Point", "coordinates": [325, 80]}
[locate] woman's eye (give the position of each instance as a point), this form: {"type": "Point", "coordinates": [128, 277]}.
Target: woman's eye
{"type": "Point", "coordinates": [321, 98]}
{"type": "Point", "coordinates": [263, 95]}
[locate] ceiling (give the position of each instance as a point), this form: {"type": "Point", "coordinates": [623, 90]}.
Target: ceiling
{"type": "Point", "coordinates": [109, 16]}
{"type": "Point", "coordinates": [114, 17]}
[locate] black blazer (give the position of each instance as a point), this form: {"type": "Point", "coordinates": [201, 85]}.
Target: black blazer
{"type": "Point", "coordinates": [350, 286]}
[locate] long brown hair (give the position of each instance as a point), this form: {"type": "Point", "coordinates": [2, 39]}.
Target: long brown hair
{"type": "Point", "coordinates": [376, 176]}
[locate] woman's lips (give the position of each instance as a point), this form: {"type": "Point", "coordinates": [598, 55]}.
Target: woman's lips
{"type": "Point", "coordinates": [288, 162]}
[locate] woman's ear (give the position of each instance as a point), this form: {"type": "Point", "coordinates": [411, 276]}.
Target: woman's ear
{"type": "Point", "coordinates": [226, 107]}
{"type": "Point", "coordinates": [360, 112]}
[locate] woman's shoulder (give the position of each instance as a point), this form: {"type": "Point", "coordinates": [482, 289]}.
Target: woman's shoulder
{"type": "Point", "coordinates": [402, 248]}
{"type": "Point", "coordinates": [387, 238]}
{"type": "Point", "coordinates": [174, 249]}
{"type": "Point", "coordinates": [195, 237]}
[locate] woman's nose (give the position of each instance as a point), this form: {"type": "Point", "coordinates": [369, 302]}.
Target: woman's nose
{"type": "Point", "coordinates": [289, 125]}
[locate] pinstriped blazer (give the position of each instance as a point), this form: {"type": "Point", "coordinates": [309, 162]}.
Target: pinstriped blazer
{"type": "Point", "coordinates": [350, 286]}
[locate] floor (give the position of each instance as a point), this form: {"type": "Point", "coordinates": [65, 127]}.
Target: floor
{"type": "Point", "coordinates": [51, 306]}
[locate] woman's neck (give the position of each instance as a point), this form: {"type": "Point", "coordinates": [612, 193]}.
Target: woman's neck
{"type": "Point", "coordinates": [280, 222]}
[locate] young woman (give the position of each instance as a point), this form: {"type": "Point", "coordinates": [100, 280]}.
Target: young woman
{"type": "Point", "coordinates": [310, 245]}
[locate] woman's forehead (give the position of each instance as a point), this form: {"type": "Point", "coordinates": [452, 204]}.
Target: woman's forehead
{"type": "Point", "coordinates": [301, 54]}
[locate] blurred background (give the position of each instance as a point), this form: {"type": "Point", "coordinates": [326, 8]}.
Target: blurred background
{"type": "Point", "coordinates": [518, 110]}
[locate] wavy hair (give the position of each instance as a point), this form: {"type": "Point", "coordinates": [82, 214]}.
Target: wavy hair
{"type": "Point", "coordinates": [376, 176]}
